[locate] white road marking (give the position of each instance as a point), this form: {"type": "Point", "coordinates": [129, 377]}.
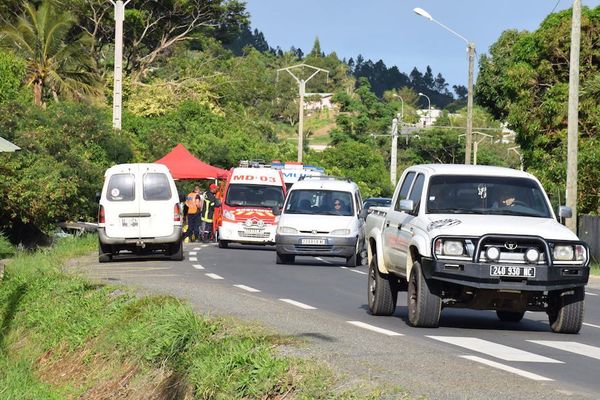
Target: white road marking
{"type": "Point", "coordinates": [591, 294]}
{"type": "Point", "coordinates": [322, 259]}
{"type": "Point", "coordinates": [374, 328]}
{"type": "Point", "coordinates": [592, 325]}
{"type": "Point", "coordinates": [198, 266]}
{"type": "Point", "coordinates": [194, 259]}
{"type": "Point", "coordinates": [247, 288]}
{"type": "Point", "coordinates": [359, 272]}
{"type": "Point", "coordinates": [298, 304]}
{"type": "Point", "coordinates": [193, 253]}
{"type": "Point", "coordinates": [494, 349]}
{"type": "Point", "coordinates": [571, 347]}
{"type": "Point", "coordinates": [214, 276]}
{"type": "Point", "coordinates": [196, 248]}
{"type": "Point", "coordinates": [507, 368]}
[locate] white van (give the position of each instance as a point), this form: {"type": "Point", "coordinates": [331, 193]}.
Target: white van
{"type": "Point", "coordinates": [321, 218]}
{"type": "Point", "coordinates": [139, 211]}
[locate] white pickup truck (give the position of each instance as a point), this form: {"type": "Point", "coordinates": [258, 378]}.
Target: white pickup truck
{"type": "Point", "coordinates": [475, 237]}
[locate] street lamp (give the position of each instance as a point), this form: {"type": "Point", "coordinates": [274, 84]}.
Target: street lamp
{"type": "Point", "coordinates": [476, 144]}
{"type": "Point", "coordinates": [118, 69]}
{"type": "Point", "coordinates": [394, 153]}
{"type": "Point", "coordinates": [428, 107]}
{"type": "Point", "coordinates": [471, 50]}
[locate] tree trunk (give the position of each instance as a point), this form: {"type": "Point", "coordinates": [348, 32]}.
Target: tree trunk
{"type": "Point", "coordinates": [37, 93]}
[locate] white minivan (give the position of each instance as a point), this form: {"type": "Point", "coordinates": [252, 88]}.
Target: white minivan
{"type": "Point", "coordinates": [321, 217]}
{"type": "Point", "coordinates": [139, 212]}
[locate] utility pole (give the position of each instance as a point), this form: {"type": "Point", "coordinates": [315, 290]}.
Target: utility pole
{"type": "Point", "coordinates": [469, 132]}
{"type": "Point", "coordinates": [572, 130]}
{"type": "Point", "coordinates": [301, 90]}
{"type": "Point", "coordinates": [118, 71]}
{"type": "Point", "coordinates": [394, 154]}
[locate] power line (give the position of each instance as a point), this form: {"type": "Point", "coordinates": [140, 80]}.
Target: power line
{"type": "Point", "coordinates": [556, 5]}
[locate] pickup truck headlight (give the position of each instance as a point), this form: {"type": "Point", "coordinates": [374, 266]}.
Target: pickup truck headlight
{"type": "Point", "coordinates": [228, 215]}
{"type": "Point", "coordinates": [569, 253]}
{"type": "Point", "coordinates": [340, 232]}
{"type": "Point", "coordinates": [447, 247]}
{"type": "Point", "coordinates": [287, 230]}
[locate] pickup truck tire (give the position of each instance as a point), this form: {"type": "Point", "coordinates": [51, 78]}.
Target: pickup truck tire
{"type": "Point", "coordinates": [423, 300]}
{"type": "Point", "coordinates": [510, 316]}
{"type": "Point", "coordinates": [104, 253]}
{"type": "Point", "coordinates": [223, 244]}
{"type": "Point", "coordinates": [285, 258]}
{"type": "Point", "coordinates": [565, 310]}
{"type": "Point", "coordinates": [176, 251]}
{"type": "Point", "coordinates": [383, 294]}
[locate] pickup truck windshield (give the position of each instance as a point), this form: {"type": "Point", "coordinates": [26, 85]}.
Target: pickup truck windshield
{"type": "Point", "coordinates": [254, 196]}
{"type": "Point", "coordinates": [489, 195]}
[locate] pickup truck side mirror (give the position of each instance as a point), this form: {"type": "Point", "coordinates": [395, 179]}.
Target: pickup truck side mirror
{"type": "Point", "coordinates": [407, 205]}
{"type": "Point", "coordinates": [565, 212]}
{"type": "Point", "coordinates": [363, 213]}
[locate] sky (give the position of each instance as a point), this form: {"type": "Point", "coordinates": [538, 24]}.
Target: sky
{"type": "Point", "coordinates": [391, 31]}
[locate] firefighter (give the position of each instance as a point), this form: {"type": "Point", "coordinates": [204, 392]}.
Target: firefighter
{"type": "Point", "coordinates": [208, 210]}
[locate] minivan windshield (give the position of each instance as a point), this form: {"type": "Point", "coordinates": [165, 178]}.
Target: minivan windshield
{"type": "Point", "coordinates": [319, 202]}
{"type": "Point", "coordinates": [490, 195]}
{"type": "Point", "coordinates": [254, 195]}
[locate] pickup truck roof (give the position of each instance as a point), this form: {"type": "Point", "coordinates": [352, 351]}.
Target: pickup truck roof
{"type": "Point", "coordinates": [461, 169]}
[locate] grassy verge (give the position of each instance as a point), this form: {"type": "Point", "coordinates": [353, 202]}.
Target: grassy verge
{"type": "Point", "coordinates": [595, 269]}
{"type": "Point", "coordinates": [63, 337]}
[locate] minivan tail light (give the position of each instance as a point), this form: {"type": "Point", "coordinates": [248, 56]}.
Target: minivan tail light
{"type": "Point", "coordinates": [101, 218]}
{"type": "Point", "coordinates": [176, 213]}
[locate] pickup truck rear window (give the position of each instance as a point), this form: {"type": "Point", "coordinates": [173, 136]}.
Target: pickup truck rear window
{"type": "Point", "coordinates": [490, 195]}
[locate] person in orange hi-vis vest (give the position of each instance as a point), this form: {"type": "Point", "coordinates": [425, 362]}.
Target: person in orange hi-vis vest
{"type": "Point", "coordinates": [193, 202]}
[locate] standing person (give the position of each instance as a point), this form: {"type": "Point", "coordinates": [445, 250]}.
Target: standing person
{"type": "Point", "coordinates": [208, 210]}
{"type": "Point", "coordinates": [193, 202]}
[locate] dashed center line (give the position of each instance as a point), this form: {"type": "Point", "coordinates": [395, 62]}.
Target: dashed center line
{"type": "Point", "coordinates": [374, 328]}
{"type": "Point", "coordinates": [507, 368]}
{"type": "Point", "coordinates": [247, 288]}
{"type": "Point", "coordinates": [591, 325]}
{"type": "Point", "coordinates": [197, 248]}
{"type": "Point", "coordinates": [193, 259]}
{"type": "Point", "coordinates": [193, 253]}
{"type": "Point", "coordinates": [572, 347]}
{"type": "Point", "coordinates": [322, 259]}
{"type": "Point", "coordinates": [198, 266]}
{"type": "Point", "coordinates": [355, 270]}
{"type": "Point", "coordinates": [214, 276]}
{"type": "Point", "coordinates": [298, 304]}
{"type": "Point", "coordinates": [591, 294]}
{"type": "Point", "coordinates": [494, 349]}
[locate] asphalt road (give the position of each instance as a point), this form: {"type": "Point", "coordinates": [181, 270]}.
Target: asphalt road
{"type": "Point", "coordinates": [472, 355]}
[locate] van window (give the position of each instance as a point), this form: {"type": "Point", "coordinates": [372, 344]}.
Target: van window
{"type": "Point", "coordinates": [320, 202]}
{"type": "Point", "coordinates": [121, 187]}
{"type": "Point", "coordinates": [156, 187]}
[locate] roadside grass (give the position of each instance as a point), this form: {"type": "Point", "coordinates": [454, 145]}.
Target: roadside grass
{"type": "Point", "coordinates": [64, 337]}
{"type": "Point", "coordinates": [595, 269]}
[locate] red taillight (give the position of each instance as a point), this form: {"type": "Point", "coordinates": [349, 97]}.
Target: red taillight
{"type": "Point", "coordinates": [177, 213]}
{"type": "Point", "coordinates": [101, 219]}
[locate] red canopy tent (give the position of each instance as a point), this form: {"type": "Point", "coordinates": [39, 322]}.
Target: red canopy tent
{"type": "Point", "coordinates": [183, 165]}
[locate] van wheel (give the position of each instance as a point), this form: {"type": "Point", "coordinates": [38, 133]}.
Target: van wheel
{"type": "Point", "coordinates": [565, 310]}
{"type": "Point", "coordinates": [176, 251]}
{"type": "Point", "coordinates": [355, 260]}
{"type": "Point", "coordinates": [510, 316]}
{"type": "Point", "coordinates": [424, 302]}
{"type": "Point", "coordinates": [383, 293]}
{"type": "Point", "coordinates": [104, 252]}
{"type": "Point", "coordinates": [285, 258]}
{"type": "Point", "coordinates": [223, 244]}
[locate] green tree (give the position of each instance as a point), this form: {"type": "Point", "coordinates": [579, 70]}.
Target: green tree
{"type": "Point", "coordinates": [56, 64]}
{"type": "Point", "coordinates": [12, 73]}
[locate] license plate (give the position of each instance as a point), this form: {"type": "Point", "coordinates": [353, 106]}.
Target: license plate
{"type": "Point", "coordinates": [129, 222]}
{"type": "Point", "coordinates": [312, 241]}
{"type": "Point", "coordinates": [518, 272]}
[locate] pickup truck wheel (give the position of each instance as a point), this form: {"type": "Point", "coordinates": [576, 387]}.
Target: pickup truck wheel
{"type": "Point", "coordinates": [510, 316]}
{"type": "Point", "coordinates": [383, 293]}
{"type": "Point", "coordinates": [223, 244]}
{"type": "Point", "coordinates": [285, 258]}
{"type": "Point", "coordinates": [424, 302]}
{"type": "Point", "coordinates": [565, 310]}
{"type": "Point", "coordinates": [104, 252]}
{"type": "Point", "coordinates": [176, 251]}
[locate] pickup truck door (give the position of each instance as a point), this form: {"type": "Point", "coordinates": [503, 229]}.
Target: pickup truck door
{"type": "Point", "coordinates": [406, 225]}
{"type": "Point", "coordinates": [392, 255]}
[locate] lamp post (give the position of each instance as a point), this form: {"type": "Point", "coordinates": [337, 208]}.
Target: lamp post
{"type": "Point", "coordinates": [118, 69]}
{"type": "Point", "coordinates": [428, 107]}
{"type": "Point", "coordinates": [471, 51]}
{"type": "Point", "coordinates": [394, 153]}
{"type": "Point", "coordinates": [301, 91]}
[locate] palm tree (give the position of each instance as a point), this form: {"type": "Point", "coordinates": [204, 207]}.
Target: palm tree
{"type": "Point", "coordinates": [56, 63]}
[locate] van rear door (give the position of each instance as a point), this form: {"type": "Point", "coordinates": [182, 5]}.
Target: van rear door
{"type": "Point", "coordinates": [122, 208]}
{"type": "Point", "coordinates": [157, 201]}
